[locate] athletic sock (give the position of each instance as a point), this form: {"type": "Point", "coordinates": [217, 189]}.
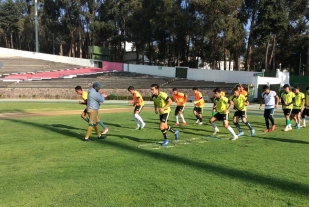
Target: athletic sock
{"type": "Point", "coordinates": [214, 125]}
{"type": "Point", "coordinates": [97, 130]}
{"type": "Point", "coordinates": [231, 131]}
{"type": "Point", "coordinates": [89, 130]}
{"type": "Point", "coordinates": [171, 130]}
{"type": "Point", "coordinates": [200, 119]}
{"type": "Point", "coordinates": [288, 122]}
{"type": "Point", "coordinates": [303, 121]}
{"type": "Point", "coordinates": [248, 125]}
{"type": "Point", "coordinates": [238, 127]}
{"type": "Point", "coordinates": [267, 122]}
{"type": "Point", "coordinates": [102, 124]}
{"type": "Point", "coordinates": [176, 118]}
{"type": "Point", "coordinates": [86, 119]}
{"type": "Point", "coordinates": [164, 133]}
{"type": "Point", "coordinates": [139, 118]}
{"type": "Point", "coordinates": [136, 120]}
{"type": "Point", "coordinates": [197, 116]}
{"type": "Point", "coordinates": [182, 117]}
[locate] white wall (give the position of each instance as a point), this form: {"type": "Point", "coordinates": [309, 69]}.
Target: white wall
{"type": "Point", "coordinates": [221, 76]}
{"type": "Point", "coordinates": [153, 70]}
{"type": "Point", "coordinates": [5, 52]}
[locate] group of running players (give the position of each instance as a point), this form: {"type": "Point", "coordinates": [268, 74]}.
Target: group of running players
{"type": "Point", "coordinates": [295, 105]}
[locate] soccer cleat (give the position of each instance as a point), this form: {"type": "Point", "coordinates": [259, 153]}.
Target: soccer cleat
{"type": "Point", "coordinates": [267, 130]}
{"type": "Point", "coordinates": [287, 129]}
{"type": "Point", "coordinates": [234, 138]}
{"type": "Point", "coordinates": [273, 127]}
{"type": "Point", "coordinates": [142, 126]}
{"type": "Point", "coordinates": [176, 135]}
{"type": "Point", "coordinates": [102, 137]}
{"type": "Point", "coordinates": [200, 123]}
{"type": "Point", "coordinates": [166, 141]}
{"type": "Point", "coordinates": [87, 139]}
{"type": "Point", "coordinates": [105, 131]}
{"type": "Point", "coordinates": [240, 134]}
{"type": "Point", "coordinates": [253, 132]}
{"type": "Point", "coordinates": [184, 123]}
{"type": "Point", "coordinates": [176, 124]}
{"type": "Point", "coordinates": [216, 130]}
{"type": "Point", "coordinates": [303, 126]}
{"type": "Point", "coordinates": [197, 121]}
{"type": "Point", "coordinates": [298, 127]}
{"type": "Point", "coordinates": [138, 127]}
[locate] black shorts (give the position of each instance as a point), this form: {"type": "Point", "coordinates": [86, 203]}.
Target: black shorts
{"type": "Point", "coordinates": [178, 109]}
{"type": "Point", "coordinates": [221, 117]}
{"type": "Point", "coordinates": [268, 113]}
{"type": "Point", "coordinates": [305, 112]}
{"type": "Point", "coordinates": [296, 111]}
{"type": "Point", "coordinates": [138, 108]}
{"type": "Point", "coordinates": [164, 117]}
{"type": "Point", "coordinates": [198, 110]}
{"type": "Point", "coordinates": [85, 111]}
{"type": "Point", "coordinates": [240, 114]}
{"type": "Point", "coordinates": [287, 112]}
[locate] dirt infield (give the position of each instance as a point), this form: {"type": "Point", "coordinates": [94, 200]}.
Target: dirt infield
{"type": "Point", "coordinates": [63, 113]}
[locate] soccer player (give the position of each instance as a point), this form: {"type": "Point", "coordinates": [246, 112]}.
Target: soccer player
{"type": "Point", "coordinates": [93, 104]}
{"type": "Point", "coordinates": [298, 105]}
{"type": "Point", "coordinates": [242, 91]}
{"type": "Point", "coordinates": [198, 105]}
{"type": "Point", "coordinates": [220, 104]}
{"type": "Point", "coordinates": [271, 100]}
{"type": "Point", "coordinates": [305, 112]}
{"type": "Point", "coordinates": [83, 94]}
{"type": "Point", "coordinates": [212, 100]}
{"type": "Point", "coordinates": [287, 100]}
{"type": "Point", "coordinates": [162, 104]}
{"type": "Point", "coordinates": [138, 103]}
{"type": "Point", "coordinates": [180, 99]}
{"type": "Point", "coordinates": [240, 102]}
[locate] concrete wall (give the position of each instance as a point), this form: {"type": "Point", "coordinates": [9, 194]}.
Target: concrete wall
{"type": "Point", "coordinates": [153, 70]}
{"type": "Point", "coordinates": [5, 52]}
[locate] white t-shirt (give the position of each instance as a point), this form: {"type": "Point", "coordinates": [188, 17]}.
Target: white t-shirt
{"type": "Point", "coordinates": [270, 99]}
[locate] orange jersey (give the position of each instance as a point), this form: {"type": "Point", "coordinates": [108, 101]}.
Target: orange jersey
{"type": "Point", "coordinates": [198, 99]}
{"type": "Point", "coordinates": [243, 92]}
{"type": "Point", "coordinates": [180, 99]}
{"type": "Point", "coordinates": [137, 99]}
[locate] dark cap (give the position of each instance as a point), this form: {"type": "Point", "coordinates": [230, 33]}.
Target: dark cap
{"type": "Point", "coordinates": [96, 84]}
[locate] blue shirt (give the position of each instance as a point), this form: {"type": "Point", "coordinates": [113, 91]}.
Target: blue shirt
{"type": "Point", "coordinates": [94, 99]}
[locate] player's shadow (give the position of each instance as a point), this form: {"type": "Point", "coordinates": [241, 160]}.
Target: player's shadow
{"type": "Point", "coordinates": [284, 140]}
{"type": "Point", "coordinates": [111, 124]}
{"type": "Point", "coordinates": [64, 126]}
{"type": "Point", "coordinates": [135, 139]}
{"type": "Point", "coordinates": [207, 167]}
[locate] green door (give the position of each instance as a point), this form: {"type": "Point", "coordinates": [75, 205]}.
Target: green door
{"type": "Point", "coordinates": [180, 72]}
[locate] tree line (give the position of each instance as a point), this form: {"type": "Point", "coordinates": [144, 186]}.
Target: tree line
{"type": "Point", "coordinates": [260, 34]}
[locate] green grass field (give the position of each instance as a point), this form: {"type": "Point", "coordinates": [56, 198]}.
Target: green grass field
{"type": "Point", "coordinates": [45, 163]}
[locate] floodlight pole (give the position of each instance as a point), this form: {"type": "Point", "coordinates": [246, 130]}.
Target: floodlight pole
{"type": "Point", "coordinates": [36, 24]}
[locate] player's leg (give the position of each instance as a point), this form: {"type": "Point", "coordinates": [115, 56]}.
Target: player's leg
{"type": "Point", "coordinates": [91, 123]}
{"type": "Point", "coordinates": [212, 121]}
{"type": "Point", "coordinates": [293, 117]}
{"type": "Point", "coordinates": [195, 112]}
{"type": "Point", "coordinates": [176, 113]}
{"type": "Point", "coordinates": [297, 116]}
{"type": "Point", "coordinates": [182, 116]}
{"type": "Point", "coordinates": [225, 124]}
{"type": "Point", "coordinates": [245, 121]}
{"type": "Point", "coordinates": [236, 122]}
{"type": "Point", "coordinates": [287, 114]}
{"type": "Point", "coordinates": [138, 117]}
{"type": "Point", "coordinates": [134, 117]}
{"type": "Point", "coordinates": [84, 115]}
{"type": "Point", "coordinates": [105, 129]}
{"type": "Point", "coordinates": [200, 111]}
{"type": "Point", "coordinates": [305, 113]}
{"type": "Point", "coordinates": [267, 117]}
{"type": "Point", "coordinates": [164, 127]}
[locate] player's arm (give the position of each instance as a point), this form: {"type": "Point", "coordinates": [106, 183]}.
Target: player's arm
{"type": "Point", "coordinates": [156, 109]}
{"type": "Point", "coordinates": [83, 102]}
{"type": "Point", "coordinates": [185, 98]}
{"type": "Point", "coordinates": [277, 100]}
{"type": "Point", "coordinates": [261, 103]}
{"type": "Point", "coordinates": [303, 101]}
{"type": "Point", "coordinates": [137, 102]}
{"type": "Point", "coordinates": [231, 103]}
{"type": "Point", "coordinates": [199, 101]}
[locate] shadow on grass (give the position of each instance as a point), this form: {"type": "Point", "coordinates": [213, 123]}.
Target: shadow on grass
{"type": "Point", "coordinates": [64, 126]}
{"type": "Point", "coordinates": [245, 176]}
{"type": "Point", "coordinates": [12, 111]}
{"type": "Point", "coordinates": [284, 140]}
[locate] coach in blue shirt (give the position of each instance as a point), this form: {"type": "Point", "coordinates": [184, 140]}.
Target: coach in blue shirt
{"type": "Point", "coordinates": [93, 104]}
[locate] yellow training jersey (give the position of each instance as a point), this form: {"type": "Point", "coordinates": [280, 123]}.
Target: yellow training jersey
{"type": "Point", "coordinates": [239, 102]}
{"type": "Point", "coordinates": [287, 98]}
{"type": "Point", "coordinates": [138, 99]}
{"type": "Point", "coordinates": [307, 101]}
{"type": "Point", "coordinates": [161, 101]}
{"type": "Point", "coordinates": [221, 104]}
{"type": "Point", "coordinates": [179, 98]}
{"type": "Point", "coordinates": [298, 100]}
{"type": "Point", "coordinates": [199, 100]}
{"type": "Point", "coordinates": [84, 95]}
